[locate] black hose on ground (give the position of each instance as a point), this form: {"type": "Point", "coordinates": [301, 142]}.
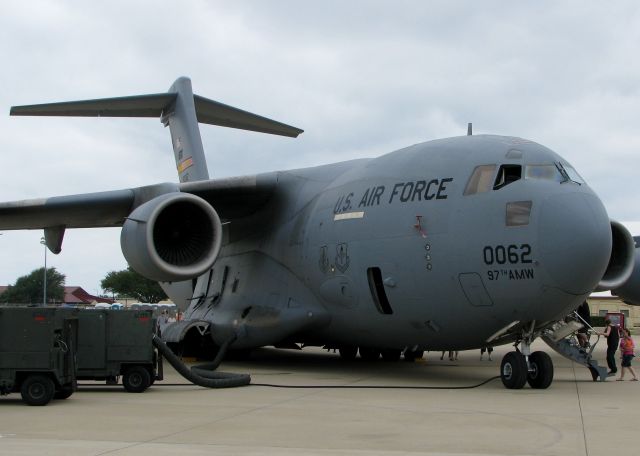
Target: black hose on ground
{"type": "Point", "coordinates": [203, 374]}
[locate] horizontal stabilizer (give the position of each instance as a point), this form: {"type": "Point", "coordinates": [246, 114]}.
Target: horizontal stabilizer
{"type": "Point", "coordinates": [158, 105]}
{"type": "Point", "coordinates": [215, 113]}
{"type": "Point", "coordinates": [135, 106]}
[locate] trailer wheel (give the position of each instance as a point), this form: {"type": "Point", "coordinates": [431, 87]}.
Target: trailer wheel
{"type": "Point", "coordinates": [37, 390]}
{"type": "Point", "coordinates": [136, 379]}
{"type": "Point", "coordinates": [64, 392]}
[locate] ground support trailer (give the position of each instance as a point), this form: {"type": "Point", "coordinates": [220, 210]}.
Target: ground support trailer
{"type": "Point", "coordinates": [38, 353]}
{"type": "Point", "coordinates": [118, 343]}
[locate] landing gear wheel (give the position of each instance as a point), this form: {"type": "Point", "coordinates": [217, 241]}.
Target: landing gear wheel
{"type": "Point", "coordinates": [136, 379]}
{"type": "Point", "coordinates": [541, 374]}
{"type": "Point", "coordinates": [410, 356]}
{"type": "Point", "coordinates": [513, 370]}
{"type": "Point", "coordinates": [37, 390]}
{"type": "Point", "coordinates": [391, 355]}
{"type": "Point", "coordinates": [369, 354]}
{"type": "Point", "coordinates": [348, 352]}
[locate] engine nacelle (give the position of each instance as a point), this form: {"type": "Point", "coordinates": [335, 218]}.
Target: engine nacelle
{"type": "Point", "coordinates": [621, 260]}
{"type": "Point", "coordinates": [629, 292]}
{"type": "Point", "coordinates": [176, 236]}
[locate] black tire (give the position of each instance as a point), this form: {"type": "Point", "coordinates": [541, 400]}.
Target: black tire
{"type": "Point", "coordinates": [410, 356]}
{"type": "Point", "coordinates": [391, 355]}
{"type": "Point", "coordinates": [64, 392]}
{"type": "Point", "coordinates": [37, 390]}
{"type": "Point", "coordinates": [348, 352]}
{"type": "Point", "coordinates": [541, 374]}
{"type": "Point", "coordinates": [513, 370]}
{"type": "Point", "coordinates": [369, 354]}
{"type": "Point", "coordinates": [136, 379]}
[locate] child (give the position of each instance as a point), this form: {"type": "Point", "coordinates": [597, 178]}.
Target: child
{"type": "Point", "coordinates": [626, 347]}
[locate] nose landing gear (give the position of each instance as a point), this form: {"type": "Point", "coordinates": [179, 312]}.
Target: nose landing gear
{"type": "Point", "coordinates": [521, 366]}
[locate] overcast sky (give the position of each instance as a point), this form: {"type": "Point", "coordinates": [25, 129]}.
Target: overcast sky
{"type": "Point", "coordinates": [362, 78]}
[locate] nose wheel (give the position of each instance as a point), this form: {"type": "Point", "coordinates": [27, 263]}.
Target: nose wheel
{"type": "Point", "coordinates": [513, 370]}
{"type": "Point", "coordinates": [517, 369]}
{"type": "Point", "coordinates": [540, 370]}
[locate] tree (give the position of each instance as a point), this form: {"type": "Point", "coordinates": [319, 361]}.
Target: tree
{"type": "Point", "coordinates": [29, 289]}
{"type": "Point", "coordinates": [129, 283]}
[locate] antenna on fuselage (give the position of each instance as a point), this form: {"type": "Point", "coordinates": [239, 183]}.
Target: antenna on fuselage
{"type": "Point", "coordinates": [469, 129]}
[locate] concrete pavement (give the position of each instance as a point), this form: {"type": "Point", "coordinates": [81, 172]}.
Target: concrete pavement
{"type": "Point", "coordinates": [575, 416]}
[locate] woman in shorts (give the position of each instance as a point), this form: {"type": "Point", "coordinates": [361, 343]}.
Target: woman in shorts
{"type": "Point", "coordinates": [626, 347]}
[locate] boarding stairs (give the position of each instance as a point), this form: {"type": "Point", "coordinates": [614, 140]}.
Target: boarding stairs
{"type": "Point", "coordinates": [561, 336]}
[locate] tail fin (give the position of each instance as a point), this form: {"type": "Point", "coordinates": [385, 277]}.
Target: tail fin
{"type": "Point", "coordinates": [185, 134]}
{"type": "Point", "coordinates": [180, 109]}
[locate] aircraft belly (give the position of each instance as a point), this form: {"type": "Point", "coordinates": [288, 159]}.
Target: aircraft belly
{"type": "Point", "coordinates": [256, 299]}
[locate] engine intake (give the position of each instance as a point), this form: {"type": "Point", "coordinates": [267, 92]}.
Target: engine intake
{"type": "Point", "coordinates": [173, 237]}
{"type": "Point", "coordinates": [621, 260]}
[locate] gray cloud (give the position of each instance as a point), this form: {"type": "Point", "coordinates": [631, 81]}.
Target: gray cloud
{"type": "Point", "coordinates": [361, 77]}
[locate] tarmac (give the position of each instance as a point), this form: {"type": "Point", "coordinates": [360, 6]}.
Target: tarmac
{"type": "Point", "coordinates": [575, 416]}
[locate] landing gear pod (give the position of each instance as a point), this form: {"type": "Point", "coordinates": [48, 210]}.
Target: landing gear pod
{"type": "Point", "coordinates": [173, 237]}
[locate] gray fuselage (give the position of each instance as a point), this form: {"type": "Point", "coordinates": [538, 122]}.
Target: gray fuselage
{"type": "Point", "coordinates": [438, 246]}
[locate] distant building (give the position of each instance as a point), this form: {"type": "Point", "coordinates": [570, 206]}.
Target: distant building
{"type": "Point", "coordinates": [76, 296]}
{"type": "Point", "coordinates": [602, 303]}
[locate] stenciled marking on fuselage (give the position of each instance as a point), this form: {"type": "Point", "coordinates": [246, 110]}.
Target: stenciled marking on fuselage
{"type": "Point", "coordinates": [511, 274]}
{"type": "Point", "coordinates": [348, 216]}
{"type": "Point", "coordinates": [401, 192]}
{"type": "Point", "coordinates": [512, 254]}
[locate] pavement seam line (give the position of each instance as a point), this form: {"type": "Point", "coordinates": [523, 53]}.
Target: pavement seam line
{"type": "Point", "coordinates": [584, 434]}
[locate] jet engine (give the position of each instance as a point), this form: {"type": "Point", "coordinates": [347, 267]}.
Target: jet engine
{"type": "Point", "coordinates": [173, 237]}
{"type": "Point", "coordinates": [621, 260]}
{"type": "Point", "coordinates": [630, 290]}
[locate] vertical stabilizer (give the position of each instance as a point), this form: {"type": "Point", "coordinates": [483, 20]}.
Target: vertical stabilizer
{"type": "Point", "coordinates": [185, 133]}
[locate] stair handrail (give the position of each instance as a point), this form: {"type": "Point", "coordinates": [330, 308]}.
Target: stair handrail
{"type": "Point", "coordinates": [584, 322]}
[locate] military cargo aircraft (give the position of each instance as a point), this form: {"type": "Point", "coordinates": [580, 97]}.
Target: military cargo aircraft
{"type": "Point", "coordinates": [451, 244]}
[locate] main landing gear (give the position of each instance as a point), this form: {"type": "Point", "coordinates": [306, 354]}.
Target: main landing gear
{"type": "Point", "coordinates": [521, 366]}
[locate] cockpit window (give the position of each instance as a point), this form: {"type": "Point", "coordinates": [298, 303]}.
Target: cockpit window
{"type": "Point", "coordinates": [507, 174]}
{"type": "Point", "coordinates": [543, 172]}
{"type": "Point", "coordinates": [572, 174]}
{"type": "Point", "coordinates": [481, 179]}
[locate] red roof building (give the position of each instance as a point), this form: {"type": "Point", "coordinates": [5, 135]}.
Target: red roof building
{"type": "Point", "coordinates": [76, 295]}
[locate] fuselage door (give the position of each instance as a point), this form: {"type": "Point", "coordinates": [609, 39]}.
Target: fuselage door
{"type": "Point", "coordinates": [474, 289]}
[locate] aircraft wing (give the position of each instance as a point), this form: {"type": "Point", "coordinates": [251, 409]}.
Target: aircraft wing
{"type": "Point", "coordinates": [231, 198]}
{"type": "Point", "coordinates": [89, 210]}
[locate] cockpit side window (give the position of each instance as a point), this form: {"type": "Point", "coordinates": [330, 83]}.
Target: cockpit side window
{"type": "Point", "coordinates": [506, 175]}
{"type": "Point", "coordinates": [572, 174]}
{"type": "Point", "coordinates": [481, 179]}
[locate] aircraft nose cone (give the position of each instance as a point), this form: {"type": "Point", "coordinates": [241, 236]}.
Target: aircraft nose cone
{"type": "Point", "coordinates": [575, 239]}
